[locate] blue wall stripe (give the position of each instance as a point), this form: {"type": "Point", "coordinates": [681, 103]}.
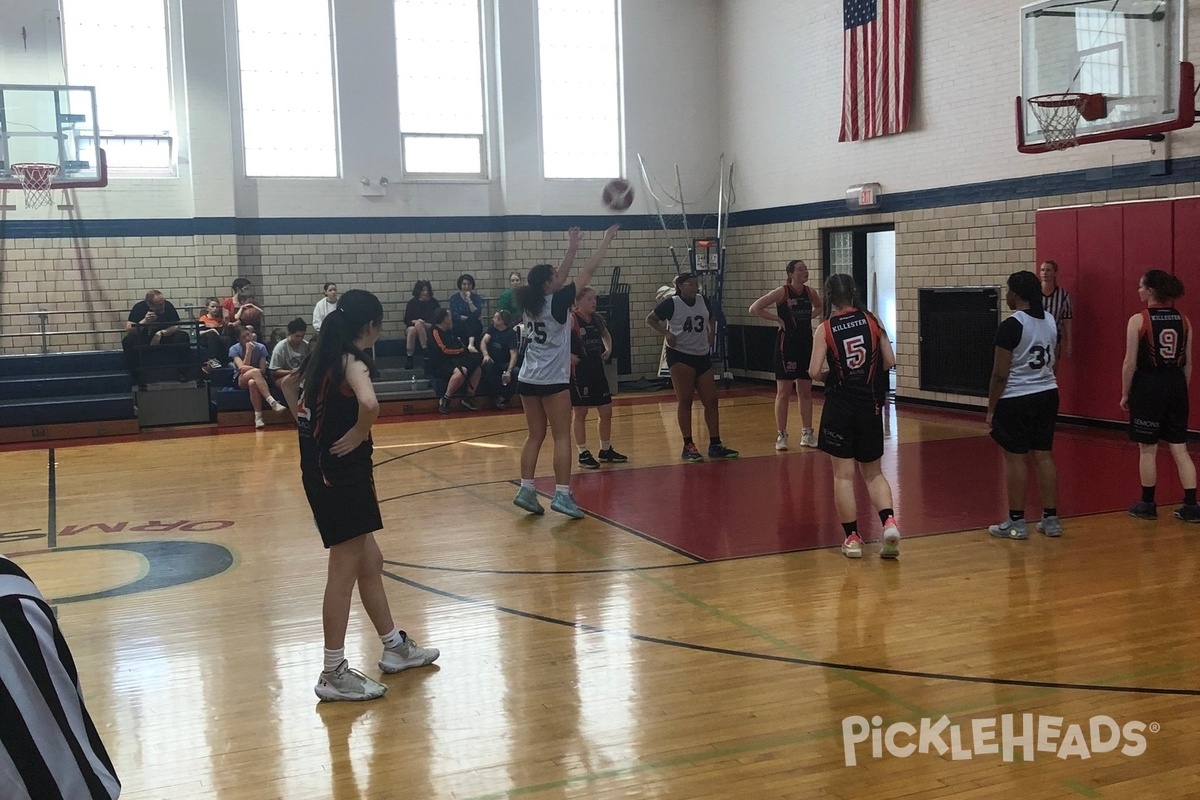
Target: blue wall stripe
{"type": "Point", "coordinates": [1150, 173]}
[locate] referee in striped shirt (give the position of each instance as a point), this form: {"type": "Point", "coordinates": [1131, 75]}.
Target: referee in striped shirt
{"type": "Point", "coordinates": [1057, 302]}
{"type": "Point", "coordinates": [49, 748]}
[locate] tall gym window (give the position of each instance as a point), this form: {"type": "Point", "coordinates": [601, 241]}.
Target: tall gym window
{"type": "Point", "coordinates": [120, 47]}
{"type": "Point", "coordinates": [289, 108]}
{"type": "Point", "coordinates": [439, 71]}
{"type": "Point", "coordinates": [579, 66]}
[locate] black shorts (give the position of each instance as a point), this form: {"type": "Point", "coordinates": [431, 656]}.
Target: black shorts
{"type": "Point", "coordinates": [343, 513]}
{"type": "Point", "coordinates": [465, 362]}
{"type": "Point", "coordinates": [792, 354]}
{"type": "Point", "coordinates": [1158, 406]}
{"type": "Point", "coordinates": [701, 364]}
{"type": "Point", "coordinates": [851, 429]}
{"type": "Point", "coordinates": [589, 386]}
{"type": "Point", "coordinates": [540, 389]}
{"type": "Point", "coordinates": [1026, 422]}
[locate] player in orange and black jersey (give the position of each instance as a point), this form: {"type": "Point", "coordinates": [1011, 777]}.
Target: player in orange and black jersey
{"type": "Point", "coordinates": [1154, 389]}
{"type": "Point", "coordinates": [852, 355]}
{"type": "Point", "coordinates": [334, 402]}
{"type": "Point", "coordinates": [796, 305]}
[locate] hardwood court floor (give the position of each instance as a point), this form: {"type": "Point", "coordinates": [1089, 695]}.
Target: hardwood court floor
{"type": "Point", "coordinates": [602, 659]}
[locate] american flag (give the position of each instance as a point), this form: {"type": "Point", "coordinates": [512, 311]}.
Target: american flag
{"type": "Point", "coordinates": [877, 69]}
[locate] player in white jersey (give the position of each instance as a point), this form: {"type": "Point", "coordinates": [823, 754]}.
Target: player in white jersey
{"type": "Point", "coordinates": [545, 380]}
{"type": "Point", "coordinates": [687, 325]}
{"type": "Point", "coordinates": [1023, 404]}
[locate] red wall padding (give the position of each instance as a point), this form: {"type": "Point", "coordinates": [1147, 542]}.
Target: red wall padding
{"type": "Point", "coordinates": [1187, 267]}
{"type": "Point", "coordinates": [1102, 251]}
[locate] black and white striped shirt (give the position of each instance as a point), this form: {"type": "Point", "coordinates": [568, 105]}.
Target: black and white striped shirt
{"type": "Point", "coordinates": [1058, 303]}
{"type": "Point", "coordinates": [49, 748]}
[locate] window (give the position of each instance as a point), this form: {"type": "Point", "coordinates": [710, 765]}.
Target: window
{"type": "Point", "coordinates": [289, 114]}
{"type": "Point", "coordinates": [580, 88]}
{"type": "Point", "coordinates": [120, 47]}
{"type": "Point", "coordinates": [1100, 42]}
{"type": "Point", "coordinates": [439, 69]}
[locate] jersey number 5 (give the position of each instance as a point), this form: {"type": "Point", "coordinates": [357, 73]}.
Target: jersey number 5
{"type": "Point", "coordinates": [539, 332]}
{"type": "Point", "coordinates": [856, 352]}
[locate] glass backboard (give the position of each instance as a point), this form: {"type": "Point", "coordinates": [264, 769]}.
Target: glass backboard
{"type": "Point", "coordinates": [1133, 52]}
{"type": "Point", "coordinates": [51, 125]}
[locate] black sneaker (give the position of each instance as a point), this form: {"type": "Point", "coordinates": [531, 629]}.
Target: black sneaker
{"type": "Point", "coordinates": [721, 451]}
{"type": "Point", "coordinates": [469, 404]}
{"type": "Point", "coordinates": [1143, 510]}
{"type": "Point", "coordinates": [499, 404]}
{"type": "Point", "coordinates": [612, 456]}
{"type": "Point", "coordinates": [587, 462]}
{"type": "Point", "coordinates": [444, 405]}
{"type": "Point", "coordinates": [1188, 513]}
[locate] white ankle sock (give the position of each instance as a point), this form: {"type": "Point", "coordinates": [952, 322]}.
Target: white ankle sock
{"type": "Point", "coordinates": [527, 483]}
{"type": "Point", "coordinates": [257, 416]}
{"type": "Point", "coordinates": [333, 658]}
{"type": "Point", "coordinates": [582, 448]}
{"type": "Point", "coordinates": [561, 488]}
{"type": "Point", "coordinates": [606, 445]}
{"type": "Point", "coordinates": [392, 639]}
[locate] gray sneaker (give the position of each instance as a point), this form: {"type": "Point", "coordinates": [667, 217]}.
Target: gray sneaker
{"type": "Point", "coordinates": [1009, 530]}
{"type": "Point", "coordinates": [347, 684]}
{"type": "Point", "coordinates": [406, 655]}
{"type": "Point", "coordinates": [1050, 526]}
{"type": "Point", "coordinates": [527, 500]}
{"type": "Point", "coordinates": [564, 503]}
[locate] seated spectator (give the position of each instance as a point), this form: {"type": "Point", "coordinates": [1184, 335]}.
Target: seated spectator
{"type": "Point", "coordinates": [500, 348]}
{"type": "Point", "coordinates": [48, 742]}
{"type": "Point", "coordinates": [243, 307]}
{"type": "Point", "coordinates": [214, 334]}
{"type": "Point", "coordinates": [418, 318]}
{"type": "Point", "coordinates": [506, 301]}
{"type": "Point", "coordinates": [250, 359]}
{"type": "Point", "coordinates": [466, 309]}
{"type": "Point", "coordinates": [288, 354]}
{"type": "Point", "coordinates": [324, 305]}
{"type": "Point", "coordinates": [152, 322]}
{"type": "Point", "coordinates": [451, 362]}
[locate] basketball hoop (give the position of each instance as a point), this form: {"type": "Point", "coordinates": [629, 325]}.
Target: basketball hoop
{"type": "Point", "coordinates": [1058, 115]}
{"type": "Point", "coordinates": [36, 180]}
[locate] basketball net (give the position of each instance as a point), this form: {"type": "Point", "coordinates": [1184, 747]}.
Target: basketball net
{"type": "Point", "coordinates": [36, 180]}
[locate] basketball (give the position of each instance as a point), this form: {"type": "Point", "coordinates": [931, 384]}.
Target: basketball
{"type": "Point", "coordinates": [617, 194]}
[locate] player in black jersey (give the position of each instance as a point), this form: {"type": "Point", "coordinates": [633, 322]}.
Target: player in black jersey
{"type": "Point", "coordinates": [591, 346]}
{"type": "Point", "coordinates": [852, 355]}
{"type": "Point", "coordinates": [1154, 389]}
{"type": "Point", "coordinates": [335, 405]}
{"type": "Point", "coordinates": [796, 306]}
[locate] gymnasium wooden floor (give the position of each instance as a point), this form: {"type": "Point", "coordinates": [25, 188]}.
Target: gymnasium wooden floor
{"type": "Point", "coordinates": [696, 636]}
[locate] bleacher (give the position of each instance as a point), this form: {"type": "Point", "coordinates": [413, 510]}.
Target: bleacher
{"type": "Point", "coordinates": [65, 394]}
{"type": "Point", "coordinates": [88, 393]}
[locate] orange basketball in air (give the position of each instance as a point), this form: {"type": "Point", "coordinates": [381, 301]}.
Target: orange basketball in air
{"type": "Point", "coordinates": [617, 194]}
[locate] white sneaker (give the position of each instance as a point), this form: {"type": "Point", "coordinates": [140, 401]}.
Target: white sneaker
{"type": "Point", "coordinates": [406, 655]}
{"type": "Point", "coordinates": [891, 539]}
{"type": "Point", "coordinates": [852, 547]}
{"type": "Point", "coordinates": [275, 404]}
{"type": "Point", "coordinates": [781, 441]}
{"type": "Point", "coordinates": [808, 439]}
{"type": "Point", "coordinates": [347, 684]}
{"type": "Point", "coordinates": [258, 421]}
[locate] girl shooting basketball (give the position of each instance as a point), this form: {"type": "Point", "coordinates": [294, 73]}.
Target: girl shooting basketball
{"type": "Point", "coordinates": [545, 379]}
